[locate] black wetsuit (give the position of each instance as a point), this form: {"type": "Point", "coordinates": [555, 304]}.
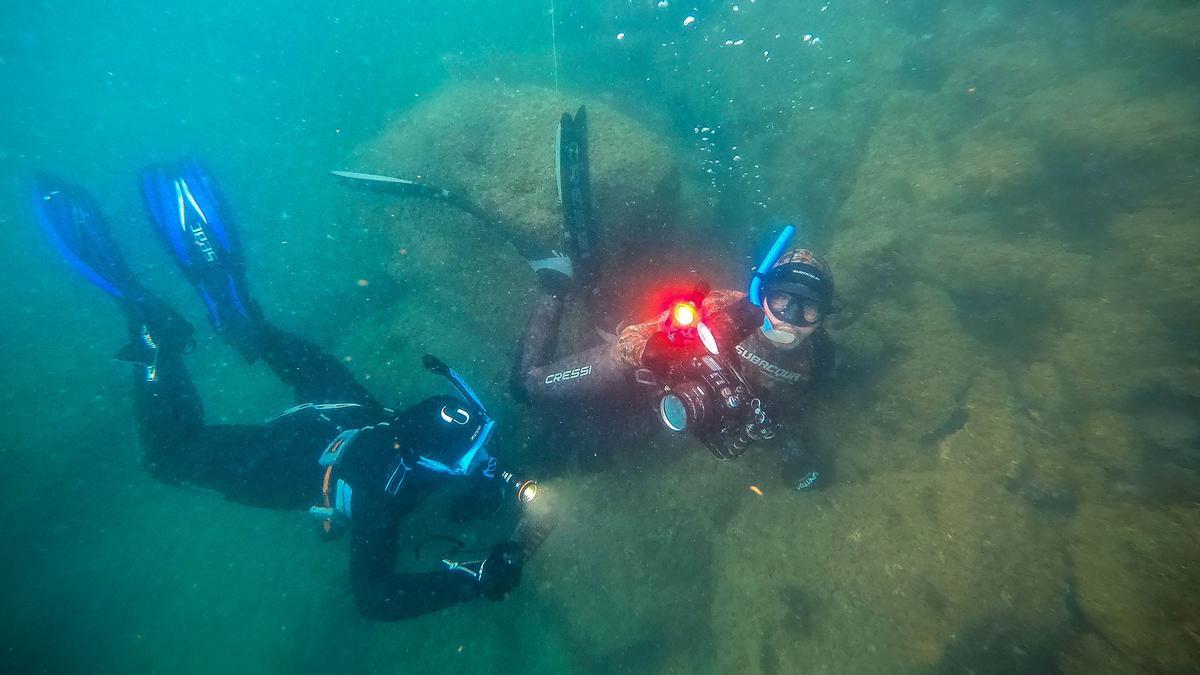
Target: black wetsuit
{"type": "Point", "coordinates": [538, 377]}
{"type": "Point", "coordinates": [275, 465]}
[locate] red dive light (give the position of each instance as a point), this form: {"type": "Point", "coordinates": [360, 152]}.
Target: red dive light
{"type": "Point", "coordinates": [684, 315]}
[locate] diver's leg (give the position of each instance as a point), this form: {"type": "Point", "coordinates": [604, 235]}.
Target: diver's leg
{"type": "Point", "coordinates": [177, 447]}
{"type": "Point", "coordinates": [587, 374]}
{"type": "Point", "coordinates": [170, 423]}
{"type": "Point", "coordinates": [248, 464]}
{"type": "Point", "coordinates": [539, 341]}
{"type": "Point", "coordinates": [315, 375]}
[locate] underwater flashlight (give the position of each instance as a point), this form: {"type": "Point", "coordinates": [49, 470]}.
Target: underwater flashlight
{"type": "Point", "coordinates": [527, 492]}
{"type": "Point", "coordinates": [525, 489]}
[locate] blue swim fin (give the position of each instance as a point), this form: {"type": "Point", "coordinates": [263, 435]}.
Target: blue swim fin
{"type": "Point", "coordinates": [71, 221]}
{"type": "Point", "coordinates": [194, 224]}
{"type": "Point", "coordinates": [68, 215]}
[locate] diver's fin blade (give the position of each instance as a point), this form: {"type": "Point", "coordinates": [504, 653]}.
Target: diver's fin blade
{"type": "Point", "coordinates": [575, 190]}
{"type": "Point", "coordinates": [190, 217]}
{"type": "Point", "coordinates": [74, 225]}
{"type": "Point", "coordinates": [197, 229]}
{"type": "Point", "coordinates": [393, 184]}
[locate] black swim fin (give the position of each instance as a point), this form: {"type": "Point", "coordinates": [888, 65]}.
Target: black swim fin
{"type": "Point", "coordinates": [405, 187]}
{"type": "Point", "coordinates": [573, 173]}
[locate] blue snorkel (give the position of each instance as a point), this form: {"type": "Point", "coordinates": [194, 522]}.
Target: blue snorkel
{"type": "Point", "coordinates": [768, 261]}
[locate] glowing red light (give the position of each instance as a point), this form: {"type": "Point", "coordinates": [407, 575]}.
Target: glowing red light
{"type": "Point", "coordinates": [684, 315]}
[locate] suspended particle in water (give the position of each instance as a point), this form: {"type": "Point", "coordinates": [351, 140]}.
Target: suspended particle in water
{"type": "Point", "coordinates": [736, 8]}
{"type": "Point", "coordinates": [689, 21]}
{"type": "Point", "coordinates": [620, 36]}
{"type": "Point", "coordinates": [663, 4]}
{"type": "Point", "coordinates": [738, 43]}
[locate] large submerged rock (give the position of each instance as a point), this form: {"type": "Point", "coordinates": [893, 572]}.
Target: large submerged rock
{"type": "Point", "coordinates": [497, 145]}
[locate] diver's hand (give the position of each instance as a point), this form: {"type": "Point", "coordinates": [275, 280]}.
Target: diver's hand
{"type": "Point", "coordinates": [501, 571]}
{"type": "Point", "coordinates": [661, 354]}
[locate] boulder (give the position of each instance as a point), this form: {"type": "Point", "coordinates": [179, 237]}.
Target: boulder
{"type": "Point", "coordinates": [906, 573]}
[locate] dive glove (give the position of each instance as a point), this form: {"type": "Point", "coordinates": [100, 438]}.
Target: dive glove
{"type": "Point", "coordinates": [501, 571]}
{"type": "Point", "coordinates": [498, 574]}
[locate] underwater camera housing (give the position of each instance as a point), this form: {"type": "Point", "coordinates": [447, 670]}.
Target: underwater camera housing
{"type": "Point", "coordinates": [708, 396]}
{"type": "Point", "coordinates": [696, 388]}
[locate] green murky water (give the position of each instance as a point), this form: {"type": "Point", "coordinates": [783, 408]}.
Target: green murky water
{"type": "Point", "coordinates": [1007, 191]}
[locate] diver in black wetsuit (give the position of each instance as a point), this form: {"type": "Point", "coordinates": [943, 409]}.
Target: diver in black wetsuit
{"type": "Point", "coordinates": [764, 350]}
{"type": "Point", "coordinates": [339, 453]}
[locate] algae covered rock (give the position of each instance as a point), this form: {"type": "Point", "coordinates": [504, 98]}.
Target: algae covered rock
{"type": "Point", "coordinates": [1110, 114]}
{"type": "Point", "coordinates": [1159, 255]}
{"type": "Point", "coordinates": [902, 574]}
{"type": "Point", "coordinates": [989, 441]}
{"type": "Point", "coordinates": [1108, 352]}
{"type": "Point", "coordinates": [985, 265]}
{"type": "Point", "coordinates": [628, 567]}
{"type": "Point", "coordinates": [930, 360]}
{"type": "Point", "coordinates": [1136, 580]}
{"type": "Point", "coordinates": [1157, 27]}
{"type": "Point", "coordinates": [1002, 439]}
{"type": "Point", "coordinates": [1108, 438]}
{"type": "Point", "coordinates": [497, 146]}
{"type": "Point", "coordinates": [997, 164]}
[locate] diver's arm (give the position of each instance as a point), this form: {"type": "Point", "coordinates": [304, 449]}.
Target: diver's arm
{"type": "Point", "coordinates": [382, 593]}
